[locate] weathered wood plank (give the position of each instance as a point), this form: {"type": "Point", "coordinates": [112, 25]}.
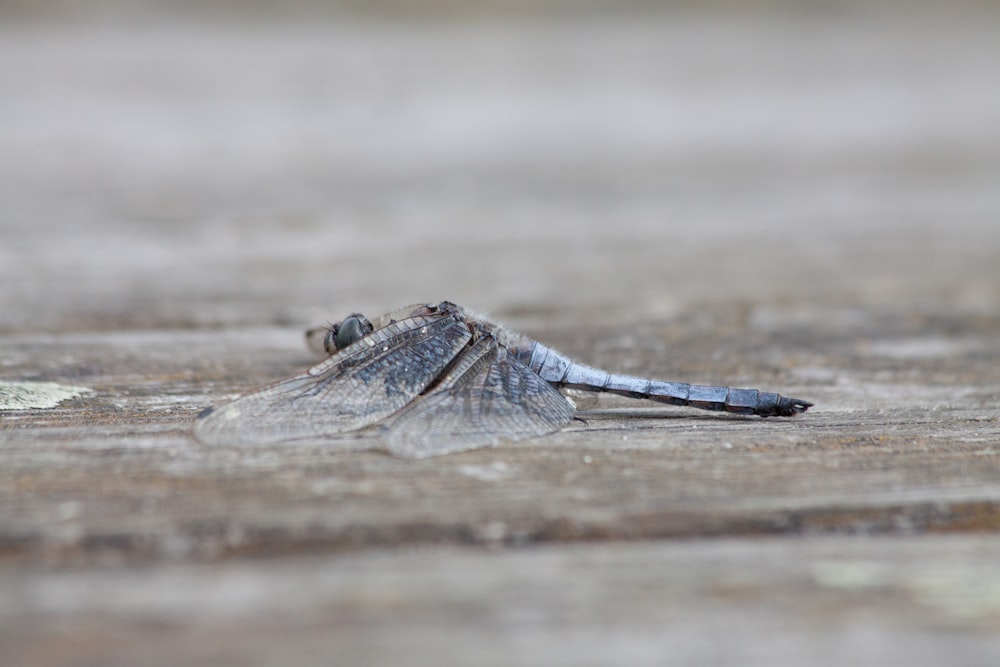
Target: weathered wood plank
{"type": "Point", "coordinates": [117, 470]}
{"type": "Point", "coordinates": [819, 601]}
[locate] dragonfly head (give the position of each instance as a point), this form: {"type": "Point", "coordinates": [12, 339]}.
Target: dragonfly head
{"type": "Point", "coordinates": [349, 330]}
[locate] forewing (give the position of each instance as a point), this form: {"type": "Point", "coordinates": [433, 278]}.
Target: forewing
{"type": "Point", "coordinates": [487, 398]}
{"type": "Point", "coordinates": [359, 386]}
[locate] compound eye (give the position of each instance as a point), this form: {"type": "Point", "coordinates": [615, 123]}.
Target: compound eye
{"type": "Point", "coordinates": [351, 330]}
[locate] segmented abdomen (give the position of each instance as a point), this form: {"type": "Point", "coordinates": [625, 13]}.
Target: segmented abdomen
{"type": "Point", "coordinates": [564, 372]}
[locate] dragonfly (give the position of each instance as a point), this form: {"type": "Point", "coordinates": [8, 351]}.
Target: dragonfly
{"type": "Point", "coordinates": [432, 379]}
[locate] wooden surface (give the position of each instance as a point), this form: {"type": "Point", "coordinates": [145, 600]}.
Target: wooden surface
{"type": "Point", "coordinates": [799, 202]}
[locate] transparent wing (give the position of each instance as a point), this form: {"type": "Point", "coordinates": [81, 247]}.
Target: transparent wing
{"type": "Point", "coordinates": [488, 397]}
{"type": "Point", "coordinates": [359, 386]}
{"type": "Point", "coordinates": [583, 400]}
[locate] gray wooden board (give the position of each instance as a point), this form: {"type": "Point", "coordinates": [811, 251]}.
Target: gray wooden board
{"type": "Point", "coordinates": [117, 471]}
{"type": "Point", "coordinates": [779, 199]}
{"type": "Point", "coordinates": [818, 601]}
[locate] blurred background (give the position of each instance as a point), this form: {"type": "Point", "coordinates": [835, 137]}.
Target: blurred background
{"type": "Point", "coordinates": [180, 164]}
